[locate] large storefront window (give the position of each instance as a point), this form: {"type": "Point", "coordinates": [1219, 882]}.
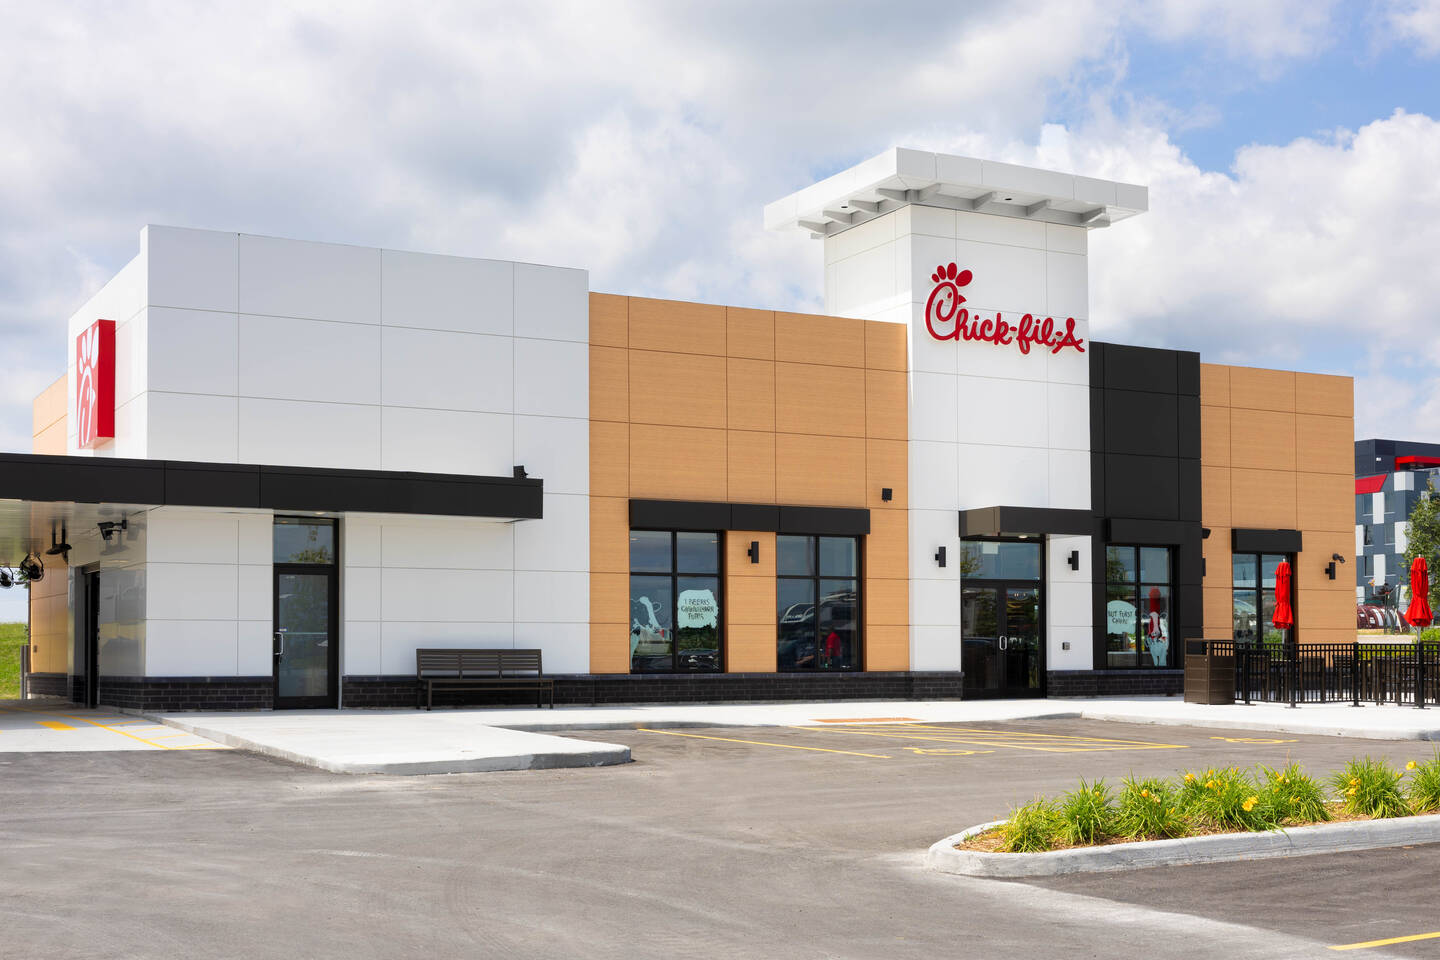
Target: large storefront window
{"type": "Point", "coordinates": [1137, 606]}
{"type": "Point", "coordinates": [674, 601]}
{"type": "Point", "coordinates": [817, 592]}
{"type": "Point", "coordinates": [1253, 595]}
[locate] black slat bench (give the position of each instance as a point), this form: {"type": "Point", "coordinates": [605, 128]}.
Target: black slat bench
{"type": "Point", "coordinates": [480, 670]}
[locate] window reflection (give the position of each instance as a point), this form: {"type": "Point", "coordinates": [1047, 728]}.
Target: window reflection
{"type": "Point", "coordinates": [817, 614]}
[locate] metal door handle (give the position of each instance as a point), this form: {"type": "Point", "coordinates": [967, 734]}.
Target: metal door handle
{"type": "Point", "coordinates": [279, 644]}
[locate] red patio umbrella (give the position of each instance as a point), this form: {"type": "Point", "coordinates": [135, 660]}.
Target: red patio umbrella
{"type": "Point", "coordinates": [1284, 617]}
{"type": "Point", "coordinates": [1419, 614]}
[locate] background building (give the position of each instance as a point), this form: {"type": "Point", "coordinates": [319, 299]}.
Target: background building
{"type": "Point", "coordinates": [1390, 476]}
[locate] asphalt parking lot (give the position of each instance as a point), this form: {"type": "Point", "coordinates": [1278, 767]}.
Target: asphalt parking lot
{"type": "Point", "coordinates": [798, 841]}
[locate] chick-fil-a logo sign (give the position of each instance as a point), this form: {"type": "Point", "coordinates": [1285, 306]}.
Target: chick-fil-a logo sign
{"type": "Point", "coordinates": [946, 319]}
{"type": "Point", "coordinates": [95, 384]}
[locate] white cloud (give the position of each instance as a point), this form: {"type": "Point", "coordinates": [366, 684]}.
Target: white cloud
{"type": "Point", "coordinates": [1416, 22]}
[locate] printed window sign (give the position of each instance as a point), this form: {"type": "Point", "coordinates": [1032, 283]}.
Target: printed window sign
{"type": "Point", "coordinates": [95, 384]}
{"type": "Point", "coordinates": [946, 319]}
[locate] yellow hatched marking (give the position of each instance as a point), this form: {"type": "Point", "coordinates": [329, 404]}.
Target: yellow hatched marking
{"type": "Point", "coordinates": [54, 724]}
{"type": "Point", "coordinates": [1038, 742]}
{"type": "Point", "coordinates": [119, 727]}
{"type": "Point", "coordinates": [763, 743]}
{"type": "Point", "coordinates": [1387, 942]}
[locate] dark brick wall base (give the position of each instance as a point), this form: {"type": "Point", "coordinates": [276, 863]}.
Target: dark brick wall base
{"type": "Point", "coordinates": [399, 691]}
{"type": "Point", "coordinates": [48, 684]}
{"type": "Point", "coordinates": [1114, 683]}
{"type": "Point", "coordinates": [188, 693]}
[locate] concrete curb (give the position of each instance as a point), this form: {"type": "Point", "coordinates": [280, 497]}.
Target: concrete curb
{"type": "Point", "coordinates": [600, 755]}
{"type": "Point", "coordinates": [1298, 725]}
{"type": "Point", "coordinates": [534, 727]}
{"type": "Point", "coordinates": [1217, 848]}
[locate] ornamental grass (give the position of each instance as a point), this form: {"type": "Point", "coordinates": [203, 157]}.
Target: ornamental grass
{"type": "Point", "coordinates": [1216, 800]}
{"type": "Point", "coordinates": [1086, 814]}
{"type": "Point", "coordinates": [1370, 788]}
{"type": "Point", "coordinates": [1424, 788]}
{"type": "Point", "coordinates": [1031, 828]}
{"type": "Point", "coordinates": [1150, 809]}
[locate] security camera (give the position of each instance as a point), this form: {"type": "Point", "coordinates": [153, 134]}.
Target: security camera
{"type": "Point", "coordinates": [1336, 556]}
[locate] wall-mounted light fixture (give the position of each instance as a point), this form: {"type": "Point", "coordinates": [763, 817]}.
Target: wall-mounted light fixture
{"type": "Point", "coordinates": [1204, 533]}
{"type": "Point", "coordinates": [1074, 560]}
{"type": "Point", "coordinates": [60, 546]}
{"type": "Point", "coordinates": [519, 471]}
{"type": "Point", "coordinates": [940, 556]}
{"type": "Point", "coordinates": [108, 527]}
{"type": "Point", "coordinates": [1330, 567]}
{"type": "Point", "coordinates": [887, 494]}
{"type": "Point", "coordinates": [754, 552]}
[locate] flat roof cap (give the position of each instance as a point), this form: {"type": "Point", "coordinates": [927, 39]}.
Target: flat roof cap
{"type": "Point", "coordinates": [900, 176]}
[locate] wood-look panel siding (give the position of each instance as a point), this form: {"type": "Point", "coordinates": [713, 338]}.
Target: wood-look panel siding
{"type": "Point", "coordinates": [703, 402]}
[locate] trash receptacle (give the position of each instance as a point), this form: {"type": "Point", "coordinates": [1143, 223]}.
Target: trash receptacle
{"type": "Point", "coordinates": [1209, 671]}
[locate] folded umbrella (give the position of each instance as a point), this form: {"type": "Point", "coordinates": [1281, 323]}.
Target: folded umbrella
{"type": "Point", "coordinates": [1419, 614]}
{"type": "Point", "coordinates": [1284, 617]}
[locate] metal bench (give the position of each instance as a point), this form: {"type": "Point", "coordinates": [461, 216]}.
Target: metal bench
{"type": "Point", "coordinates": [480, 670]}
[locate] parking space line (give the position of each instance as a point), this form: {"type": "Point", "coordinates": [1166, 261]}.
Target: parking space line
{"type": "Point", "coordinates": [1387, 942]}
{"type": "Point", "coordinates": [119, 725]}
{"type": "Point", "coordinates": [1038, 742]}
{"type": "Point", "coordinates": [54, 724]}
{"type": "Point", "coordinates": [763, 743]}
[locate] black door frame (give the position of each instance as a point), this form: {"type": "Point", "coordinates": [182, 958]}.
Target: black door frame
{"type": "Point", "coordinates": [90, 692]}
{"type": "Point", "coordinates": [999, 587]}
{"type": "Point", "coordinates": [331, 697]}
{"type": "Point", "coordinates": [332, 685]}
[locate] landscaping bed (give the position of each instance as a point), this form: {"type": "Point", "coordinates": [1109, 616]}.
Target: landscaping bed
{"type": "Point", "coordinates": [1204, 816]}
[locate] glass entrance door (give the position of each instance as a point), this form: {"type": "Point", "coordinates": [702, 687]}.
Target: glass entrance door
{"type": "Point", "coordinates": [1002, 654]}
{"type": "Point", "coordinates": [306, 642]}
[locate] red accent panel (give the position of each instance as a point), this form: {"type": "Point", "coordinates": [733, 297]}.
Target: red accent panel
{"type": "Point", "coordinates": [1417, 461]}
{"type": "Point", "coordinates": [1370, 484]}
{"type": "Point", "coordinates": [95, 384]}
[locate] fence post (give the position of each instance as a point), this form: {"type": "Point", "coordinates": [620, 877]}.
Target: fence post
{"type": "Point", "coordinates": [1355, 674]}
{"type": "Point", "coordinates": [1244, 654]}
{"type": "Point", "coordinates": [1419, 675]}
{"type": "Point", "coordinates": [1294, 671]}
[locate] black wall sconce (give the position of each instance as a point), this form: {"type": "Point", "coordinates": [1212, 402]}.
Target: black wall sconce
{"type": "Point", "coordinates": [1074, 560]}
{"type": "Point", "coordinates": [887, 494]}
{"type": "Point", "coordinates": [754, 552]}
{"type": "Point", "coordinates": [519, 472]}
{"type": "Point", "coordinates": [940, 556]}
{"type": "Point", "coordinates": [1330, 567]}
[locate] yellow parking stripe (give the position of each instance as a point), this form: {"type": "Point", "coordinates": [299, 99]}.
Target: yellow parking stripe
{"type": "Point", "coordinates": [120, 725]}
{"type": "Point", "coordinates": [1387, 942]}
{"type": "Point", "coordinates": [54, 724]}
{"type": "Point", "coordinates": [1038, 742]}
{"type": "Point", "coordinates": [763, 743]}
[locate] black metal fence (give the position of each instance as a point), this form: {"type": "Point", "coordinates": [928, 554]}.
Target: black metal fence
{"type": "Point", "coordinates": [1356, 673]}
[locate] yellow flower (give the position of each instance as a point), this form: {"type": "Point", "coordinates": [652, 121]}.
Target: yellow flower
{"type": "Point", "coordinates": [1354, 783]}
{"type": "Point", "coordinates": [1410, 765]}
{"type": "Point", "coordinates": [1249, 803]}
{"type": "Point", "coordinates": [1144, 793]}
{"type": "Point", "coordinates": [1189, 778]}
{"type": "Point", "coordinates": [1350, 792]}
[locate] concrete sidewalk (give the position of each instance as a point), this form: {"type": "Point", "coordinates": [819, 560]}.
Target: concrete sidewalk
{"type": "Point", "coordinates": [404, 743]}
{"type": "Point", "coordinates": [509, 738]}
{"type": "Point", "coordinates": [1365, 722]}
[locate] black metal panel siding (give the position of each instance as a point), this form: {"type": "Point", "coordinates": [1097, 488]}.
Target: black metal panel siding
{"type": "Point", "coordinates": [1264, 541]}
{"type": "Point", "coordinates": [709, 515]}
{"type": "Point", "coordinates": [1145, 489]}
{"type": "Point", "coordinates": [55, 479]}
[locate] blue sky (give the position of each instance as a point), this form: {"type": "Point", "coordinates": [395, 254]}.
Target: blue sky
{"type": "Point", "coordinates": [1291, 149]}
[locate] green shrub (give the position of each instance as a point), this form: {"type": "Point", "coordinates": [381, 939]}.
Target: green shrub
{"type": "Point", "coordinates": [1425, 784]}
{"type": "Point", "coordinates": [1230, 799]}
{"type": "Point", "coordinates": [1293, 795]}
{"type": "Point", "coordinates": [1086, 814]}
{"type": "Point", "coordinates": [1150, 809]}
{"type": "Point", "coordinates": [1370, 788]}
{"type": "Point", "coordinates": [1031, 828]}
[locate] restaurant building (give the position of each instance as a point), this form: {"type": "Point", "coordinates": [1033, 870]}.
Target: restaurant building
{"type": "Point", "coordinates": [275, 468]}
